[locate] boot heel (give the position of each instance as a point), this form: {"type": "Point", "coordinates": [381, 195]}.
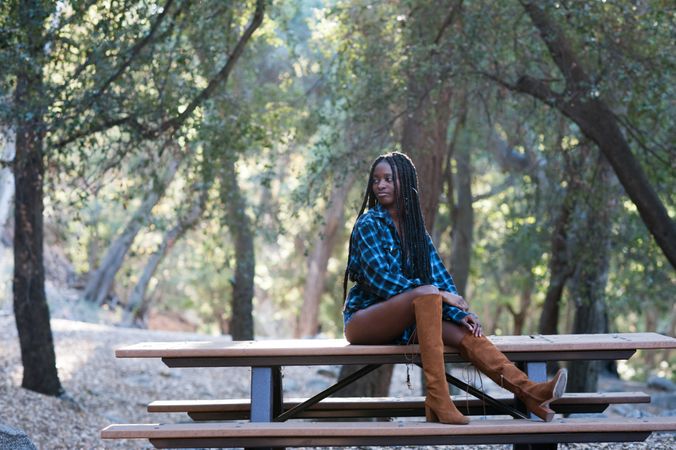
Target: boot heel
{"type": "Point", "coordinates": [430, 415]}
{"type": "Point", "coordinates": [543, 413]}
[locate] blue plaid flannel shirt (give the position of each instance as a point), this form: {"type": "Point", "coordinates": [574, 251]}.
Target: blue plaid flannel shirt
{"type": "Point", "coordinates": [375, 267]}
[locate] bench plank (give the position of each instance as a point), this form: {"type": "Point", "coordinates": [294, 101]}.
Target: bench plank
{"type": "Point", "coordinates": [233, 409]}
{"type": "Point", "coordinates": [389, 433]}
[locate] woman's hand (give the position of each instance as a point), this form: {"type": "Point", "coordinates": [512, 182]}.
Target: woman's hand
{"type": "Point", "coordinates": [472, 323]}
{"type": "Point", "coordinates": [454, 300]}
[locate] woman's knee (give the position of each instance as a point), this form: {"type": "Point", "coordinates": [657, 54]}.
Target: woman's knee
{"type": "Point", "coordinates": [427, 289]}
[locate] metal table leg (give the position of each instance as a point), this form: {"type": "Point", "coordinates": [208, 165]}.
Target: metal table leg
{"type": "Point", "coordinates": [266, 394]}
{"type": "Point", "coordinates": [537, 372]}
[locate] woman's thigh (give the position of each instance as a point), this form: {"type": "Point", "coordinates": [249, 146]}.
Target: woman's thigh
{"type": "Point", "coordinates": [385, 321]}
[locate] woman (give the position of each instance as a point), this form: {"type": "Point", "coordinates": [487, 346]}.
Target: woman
{"type": "Point", "coordinates": [404, 294]}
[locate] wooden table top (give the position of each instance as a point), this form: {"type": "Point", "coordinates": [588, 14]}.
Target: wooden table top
{"type": "Point", "coordinates": [340, 347]}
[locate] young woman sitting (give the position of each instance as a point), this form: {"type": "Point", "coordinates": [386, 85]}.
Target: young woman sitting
{"type": "Point", "coordinates": [403, 294]}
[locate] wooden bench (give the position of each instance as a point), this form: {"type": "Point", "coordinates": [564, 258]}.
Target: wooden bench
{"type": "Point", "coordinates": [266, 403]}
{"type": "Point", "coordinates": [292, 434]}
{"type": "Point", "coordinates": [359, 407]}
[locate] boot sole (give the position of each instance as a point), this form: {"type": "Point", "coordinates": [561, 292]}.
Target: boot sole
{"type": "Point", "coordinates": [543, 411]}
{"type": "Point", "coordinates": [559, 386]}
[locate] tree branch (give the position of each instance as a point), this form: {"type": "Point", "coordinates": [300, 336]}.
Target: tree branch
{"type": "Point", "coordinates": [222, 75]}
{"type": "Point", "coordinates": [537, 89]}
{"type": "Point", "coordinates": [495, 190]}
{"type": "Point", "coordinates": [448, 21]}
{"type": "Point", "coordinates": [134, 52]}
{"type": "Point", "coordinates": [176, 122]}
{"type": "Point", "coordinates": [558, 46]}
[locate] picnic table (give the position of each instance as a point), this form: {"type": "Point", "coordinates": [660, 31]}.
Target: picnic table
{"type": "Point", "coordinates": [268, 413]}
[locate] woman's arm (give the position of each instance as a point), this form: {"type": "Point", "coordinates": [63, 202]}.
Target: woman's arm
{"type": "Point", "coordinates": [454, 300]}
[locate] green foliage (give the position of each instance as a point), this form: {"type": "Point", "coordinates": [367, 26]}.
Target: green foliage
{"type": "Point", "coordinates": [322, 89]}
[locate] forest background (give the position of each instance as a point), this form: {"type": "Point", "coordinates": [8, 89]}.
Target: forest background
{"type": "Point", "coordinates": [205, 161]}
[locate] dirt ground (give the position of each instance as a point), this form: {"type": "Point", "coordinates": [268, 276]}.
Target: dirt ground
{"type": "Point", "coordinates": [105, 390]}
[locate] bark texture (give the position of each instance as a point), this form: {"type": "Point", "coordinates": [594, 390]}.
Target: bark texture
{"type": "Point", "coordinates": [519, 317]}
{"type": "Point", "coordinates": [560, 269]}
{"type": "Point", "coordinates": [424, 139]}
{"type": "Point", "coordinates": [30, 301]}
{"type": "Point", "coordinates": [463, 221]}
{"type": "Point", "coordinates": [8, 142]}
{"type": "Point", "coordinates": [590, 277]}
{"type": "Point", "coordinates": [428, 103]}
{"type": "Point", "coordinates": [241, 325]}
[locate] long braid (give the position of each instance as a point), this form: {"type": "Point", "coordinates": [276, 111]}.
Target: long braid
{"type": "Point", "coordinates": [415, 258]}
{"type": "Point", "coordinates": [415, 253]}
{"type": "Point", "coordinates": [370, 201]}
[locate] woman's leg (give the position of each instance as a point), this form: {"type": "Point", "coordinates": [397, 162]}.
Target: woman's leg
{"type": "Point", "coordinates": [383, 322]}
{"type": "Point", "coordinates": [452, 333]}
{"type": "Point", "coordinates": [481, 352]}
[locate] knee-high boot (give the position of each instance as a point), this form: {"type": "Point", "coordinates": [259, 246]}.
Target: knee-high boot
{"type": "Point", "coordinates": [488, 359]}
{"type": "Point", "coordinates": [438, 404]}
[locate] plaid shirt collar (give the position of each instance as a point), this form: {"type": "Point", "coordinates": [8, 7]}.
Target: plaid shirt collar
{"type": "Point", "coordinates": [380, 212]}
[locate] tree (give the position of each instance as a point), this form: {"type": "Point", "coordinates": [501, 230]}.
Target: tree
{"type": "Point", "coordinates": [424, 134]}
{"type": "Point", "coordinates": [561, 262]}
{"type": "Point", "coordinates": [70, 116]}
{"type": "Point", "coordinates": [138, 302]}
{"type": "Point", "coordinates": [100, 280]}
{"type": "Point", "coordinates": [462, 214]}
{"type": "Point", "coordinates": [598, 122]}
{"type": "Point", "coordinates": [308, 320]}
{"type": "Point", "coordinates": [240, 226]}
{"type": "Point", "coordinates": [30, 302]}
{"type": "Point", "coordinates": [591, 274]}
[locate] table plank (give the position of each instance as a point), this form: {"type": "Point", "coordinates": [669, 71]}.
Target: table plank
{"type": "Point", "coordinates": [340, 347]}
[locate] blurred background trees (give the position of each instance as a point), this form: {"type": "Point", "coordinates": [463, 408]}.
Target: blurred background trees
{"type": "Point", "coordinates": [199, 165]}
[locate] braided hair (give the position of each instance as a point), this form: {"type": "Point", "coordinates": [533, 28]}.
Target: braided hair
{"type": "Point", "coordinates": [415, 252]}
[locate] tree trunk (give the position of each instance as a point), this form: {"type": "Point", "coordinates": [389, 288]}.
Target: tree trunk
{"type": "Point", "coordinates": [591, 275]}
{"type": "Point", "coordinates": [428, 102]}
{"type": "Point", "coordinates": [101, 280]}
{"type": "Point", "coordinates": [424, 139]}
{"type": "Point", "coordinates": [31, 311]}
{"type": "Point", "coordinates": [598, 122]}
{"type": "Point", "coordinates": [375, 384]}
{"type": "Point", "coordinates": [463, 221]}
{"type": "Point", "coordinates": [8, 141]}
{"type": "Point", "coordinates": [138, 303]}
{"type": "Point", "coordinates": [559, 268]}
{"type": "Point", "coordinates": [519, 317]}
{"type": "Point", "coordinates": [239, 224]}
{"type": "Point", "coordinates": [308, 322]}
{"type": "Point", "coordinates": [651, 316]}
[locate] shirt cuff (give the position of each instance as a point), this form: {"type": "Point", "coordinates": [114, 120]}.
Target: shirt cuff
{"type": "Point", "coordinates": [452, 313]}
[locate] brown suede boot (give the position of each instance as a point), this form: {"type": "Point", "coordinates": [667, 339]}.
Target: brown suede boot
{"type": "Point", "coordinates": [438, 404]}
{"type": "Point", "coordinates": [481, 352]}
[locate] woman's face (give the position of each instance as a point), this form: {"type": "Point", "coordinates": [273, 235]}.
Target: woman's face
{"type": "Point", "coordinates": [382, 184]}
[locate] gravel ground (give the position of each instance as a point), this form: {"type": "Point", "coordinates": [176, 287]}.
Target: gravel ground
{"type": "Point", "coordinates": [105, 390]}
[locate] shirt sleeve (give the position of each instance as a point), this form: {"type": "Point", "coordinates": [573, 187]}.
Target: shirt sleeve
{"type": "Point", "coordinates": [378, 277]}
